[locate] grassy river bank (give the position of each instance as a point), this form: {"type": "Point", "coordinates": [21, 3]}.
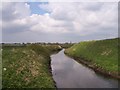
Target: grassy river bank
{"type": "Point", "coordinates": [27, 66]}
{"type": "Point", "coordinates": [100, 55]}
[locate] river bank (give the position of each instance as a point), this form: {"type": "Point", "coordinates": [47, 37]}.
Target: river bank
{"type": "Point", "coordinates": [97, 69]}
{"type": "Point", "coordinates": [28, 66]}
{"type": "Point", "coordinates": [101, 56]}
{"type": "Point", "coordinates": [68, 73]}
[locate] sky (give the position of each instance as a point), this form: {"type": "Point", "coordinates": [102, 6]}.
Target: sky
{"type": "Point", "coordinates": [58, 21]}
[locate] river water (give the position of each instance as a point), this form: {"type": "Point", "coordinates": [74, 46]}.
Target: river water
{"type": "Point", "coordinates": [67, 73]}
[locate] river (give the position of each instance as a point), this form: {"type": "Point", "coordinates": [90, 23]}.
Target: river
{"type": "Point", "coordinates": [68, 73]}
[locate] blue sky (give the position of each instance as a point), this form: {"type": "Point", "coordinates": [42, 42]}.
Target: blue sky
{"type": "Point", "coordinates": [35, 9]}
{"type": "Point", "coordinates": [58, 22]}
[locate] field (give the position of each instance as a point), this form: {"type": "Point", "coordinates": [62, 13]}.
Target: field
{"type": "Point", "coordinates": [101, 54]}
{"type": "Point", "coordinates": [27, 66]}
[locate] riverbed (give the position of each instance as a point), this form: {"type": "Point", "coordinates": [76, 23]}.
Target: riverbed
{"type": "Point", "coordinates": [68, 73]}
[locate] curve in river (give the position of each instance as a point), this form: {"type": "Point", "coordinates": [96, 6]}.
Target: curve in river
{"type": "Point", "coordinates": [68, 73]}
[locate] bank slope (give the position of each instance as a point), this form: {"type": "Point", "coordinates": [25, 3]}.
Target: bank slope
{"type": "Point", "coordinates": [101, 55]}
{"type": "Point", "coordinates": [27, 66]}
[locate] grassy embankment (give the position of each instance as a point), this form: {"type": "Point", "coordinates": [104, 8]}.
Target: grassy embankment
{"type": "Point", "coordinates": [27, 66]}
{"type": "Point", "coordinates": [101, 55]}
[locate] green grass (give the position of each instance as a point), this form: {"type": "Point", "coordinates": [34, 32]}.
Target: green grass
{"type": "Point", "coordinates": [0, 66]}
{"type": "Point", "coordinates": [103, 53]}
{"type": "Point", "coordinates": [27, 66]}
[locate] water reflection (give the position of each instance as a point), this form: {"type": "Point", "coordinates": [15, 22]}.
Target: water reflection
{"type": "Point", "coordinates": [68, 73]}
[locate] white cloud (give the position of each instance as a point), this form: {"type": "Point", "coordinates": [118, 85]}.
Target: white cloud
{"type": "Point", "coordinates": [65, 19]}
{"type": "Point", "coordinates": [13, 15]}
{"type": "Point", "coordinates": [22, 10]}
{"type": "Point", "coordinates": [12, 11]}
{"type": "Point", "coordinates": [85, 18]}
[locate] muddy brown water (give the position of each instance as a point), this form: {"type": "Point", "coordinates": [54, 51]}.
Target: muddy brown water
{"type": "Point", "coordinates": [68, 73]}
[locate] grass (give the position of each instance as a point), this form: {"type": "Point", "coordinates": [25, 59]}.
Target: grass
{"type": "Point", "coordinates": [0, 66]}
{"type": "Point", "coordinates": [67, 45]}
{"type": "Point", "coordinates": [27, 66]}
{"type": "Point", "coordinates": [102, 53]}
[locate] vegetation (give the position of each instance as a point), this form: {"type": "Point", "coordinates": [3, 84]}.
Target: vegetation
{"type": "Point", "coordinates": [66, 45]}
{"type": "Point", "coordinates": [0, 66]}
{"type": "Point", "coordinates": [102, 54]}
{"type": "Point", "coordinates": [27, 66]}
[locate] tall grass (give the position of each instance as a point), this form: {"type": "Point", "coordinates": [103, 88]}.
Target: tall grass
{"type": "Point", "coordinates": [27, 67]}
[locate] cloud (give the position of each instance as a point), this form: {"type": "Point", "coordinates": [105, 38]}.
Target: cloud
{"type": "Point", "coordinates": [13, 15]}
{"type": "Point", "coordinates": [85, 18]}
{"type": "Point", "coordinates": [12, 11]}
{"type": "Point", "coordinates": [62, 22]}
